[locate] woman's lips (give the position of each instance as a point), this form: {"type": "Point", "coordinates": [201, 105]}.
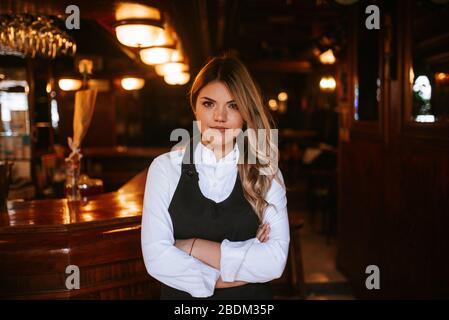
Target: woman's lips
{"type": "Point", "coordinates": [221, 129]}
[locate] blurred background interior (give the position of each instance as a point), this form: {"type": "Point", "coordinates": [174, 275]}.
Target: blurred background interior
{"type": "Point", "coordinates": [363, 118]}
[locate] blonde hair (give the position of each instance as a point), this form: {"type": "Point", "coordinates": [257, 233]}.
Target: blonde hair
{"type": "Point", "coordinates": [254, 178]}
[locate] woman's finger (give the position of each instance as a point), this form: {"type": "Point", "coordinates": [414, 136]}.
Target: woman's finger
{"type": "Point", "coordinates": [260, 231]}
{"type": "Point", "coordinates": [262, 236]}
{"type": "Point", "coordinates": [265, 234]}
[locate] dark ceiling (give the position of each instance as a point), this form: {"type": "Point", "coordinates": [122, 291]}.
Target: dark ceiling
{"type": "Point", "coordinates": [266, 33]}
{"type": "Point", "coordinates": [276, 35]}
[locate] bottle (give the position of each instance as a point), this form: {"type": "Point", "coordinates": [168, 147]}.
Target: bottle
{"type": "Point", "coordinates": [72, 191]}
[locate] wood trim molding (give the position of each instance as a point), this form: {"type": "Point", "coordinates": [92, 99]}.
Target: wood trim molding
{"type": "Point", "coordinates": [374, 130]}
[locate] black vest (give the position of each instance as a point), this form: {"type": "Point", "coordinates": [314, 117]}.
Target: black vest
{"type": "Point", "coordinates": [195, 216]}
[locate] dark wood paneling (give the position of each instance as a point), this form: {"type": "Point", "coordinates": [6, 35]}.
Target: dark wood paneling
{"type": "Point", "coordinates": [361, 209]}
{"type": "Point", "coordinates": [393, 213]}
{"type": "Point", "coordinates": [417, 197]}
{"type": "Point", "coordinates": [39, 239]}
{"type": "Point", "coordinates": [394, 192]}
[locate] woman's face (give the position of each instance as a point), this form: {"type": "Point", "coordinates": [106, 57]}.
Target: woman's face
{"type": "Point", "coordinates": [218, 113]}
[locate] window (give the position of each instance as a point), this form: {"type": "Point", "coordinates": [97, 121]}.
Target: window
{"type": "Point", "coordinates": [429, 72]}
{"type": "Point", "coordinates": [367, 86]}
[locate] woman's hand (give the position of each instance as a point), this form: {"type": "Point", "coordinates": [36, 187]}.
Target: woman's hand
{"type": "Point", "coordinates": [263, 232]}
{"type": "Point", "coordinates": [184, 245]}
{"type": "Point", "coordinates": [220, 284]}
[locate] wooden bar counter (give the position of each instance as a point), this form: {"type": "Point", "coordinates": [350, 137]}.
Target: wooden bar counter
{"type": "Point", "coordinates": [101, 236]}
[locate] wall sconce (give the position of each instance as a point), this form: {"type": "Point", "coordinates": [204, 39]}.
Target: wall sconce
{"type": "Point", "coordinates": [272, 103]}
{"type": "Point", "coordinates": [442, 77]}
{"type": "Point", "coordinates": [282, 96]}
{"type": "Point", "coordinates": [328, 84]}
{"type": "Point", "coordinates": [131, 83]}
{"type": "Point", "coordinates": [281, 107]}
{"type": "Point", "coordinates": [68, 84]}
{"type": "Point", "coordinates": [327, 57]}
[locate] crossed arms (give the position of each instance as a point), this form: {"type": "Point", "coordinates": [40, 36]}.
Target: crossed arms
{"type": "Point", "coordinates": [211, 264]}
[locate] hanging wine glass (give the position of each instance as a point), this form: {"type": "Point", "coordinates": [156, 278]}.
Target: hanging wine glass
{"type": "Point", "coordinates": [35, 35]}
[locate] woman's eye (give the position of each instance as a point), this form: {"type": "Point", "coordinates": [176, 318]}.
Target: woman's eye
{"type": "Point", "coordinates": [207, 104]}
{"type": "Point", "coordinates": [233, 106]}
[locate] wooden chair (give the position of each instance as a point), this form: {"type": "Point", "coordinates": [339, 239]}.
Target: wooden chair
{"type": "Point", "coordinates": [296, 276]}
{"type": "Point", "coordinates": [292, 281]}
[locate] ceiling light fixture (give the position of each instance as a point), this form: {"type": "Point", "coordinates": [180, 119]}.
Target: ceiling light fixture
{"type": "Point", "coordinates": [162, 50]}
{"type": "Point", "coordinates": [138, 32]}
{"type": "Point", "coordinates": [132, 83]}
{"type": "Point", "coordinates": [177, 78]}
{"type": "Point", "coordinates": [68, 84]}
{"type": "Point", "coordinates": [138, 25]}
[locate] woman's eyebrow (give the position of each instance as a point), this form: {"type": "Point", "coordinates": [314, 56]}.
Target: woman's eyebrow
{"type": "Point", "coordinates": [210, 99]}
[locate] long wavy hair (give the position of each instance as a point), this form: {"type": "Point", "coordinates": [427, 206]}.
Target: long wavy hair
{"type": "Point", "coordinates": [256, 176]}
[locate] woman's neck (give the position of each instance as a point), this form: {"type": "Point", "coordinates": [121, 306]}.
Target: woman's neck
{"type": "Point", "coordinates": [219, 154]}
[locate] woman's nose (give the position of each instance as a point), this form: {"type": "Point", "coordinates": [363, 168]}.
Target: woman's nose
{"type": "Point", "coordinates": [220, 114]}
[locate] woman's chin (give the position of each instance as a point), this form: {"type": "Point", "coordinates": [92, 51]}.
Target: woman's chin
{"type": "Point", "coordinates": [219, 145]}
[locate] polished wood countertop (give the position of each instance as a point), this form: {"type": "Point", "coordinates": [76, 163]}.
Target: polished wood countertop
{"type": "Point", "coordinates": [61, 215]}
{"type": "Point", "coordinates": [100, 236]}
{"type": "Point", "coordinates": [122, 206]}
{"type": "Point", "coordinates": [121, 151]}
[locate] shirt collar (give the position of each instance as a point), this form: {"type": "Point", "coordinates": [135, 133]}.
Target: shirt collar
{"type": "Point", "coordinates": [204, 155]}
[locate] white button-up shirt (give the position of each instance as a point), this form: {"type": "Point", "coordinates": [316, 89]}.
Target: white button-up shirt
{"type": "Point", "coordinates": [250, 260]}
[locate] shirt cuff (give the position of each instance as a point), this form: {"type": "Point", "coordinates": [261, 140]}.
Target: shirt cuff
{"type": "Point", "coordinates": [232, 255]}
{"type": "Point", "coordinates": [210, 277]}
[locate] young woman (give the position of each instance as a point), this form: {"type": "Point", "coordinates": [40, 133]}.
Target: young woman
{"type": "Point", "coordinates": [215, 223]}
